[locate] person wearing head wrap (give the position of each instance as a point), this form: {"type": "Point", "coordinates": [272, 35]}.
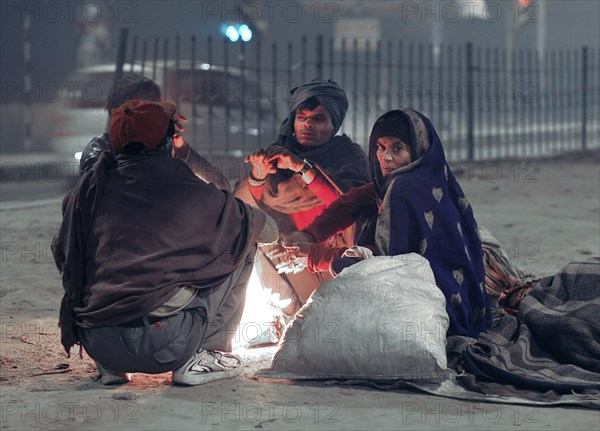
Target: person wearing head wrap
{"type": "Point", "coordinates": [327, 93]}
{"type": "Point", "coordinates": [154, 261]}
{"type": "Point", "coordinates": [294, 179]}
{"type": "Point", "coordinates": [414, 204]}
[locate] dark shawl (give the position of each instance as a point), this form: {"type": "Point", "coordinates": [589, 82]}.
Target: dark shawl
{"type": "Point", "coordinates": [424, 210]}
{"type": "Point", "coordinates": [137, 228]}
{"type": "Point", "coordinates": [340, 160]}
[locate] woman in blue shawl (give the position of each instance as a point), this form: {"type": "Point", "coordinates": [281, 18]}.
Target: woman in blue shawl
{"type": "Point", "coordinates": [422, 209]}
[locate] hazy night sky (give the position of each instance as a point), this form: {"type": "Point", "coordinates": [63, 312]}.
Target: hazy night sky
{"type": "Point", "coordinates": [54, 25]}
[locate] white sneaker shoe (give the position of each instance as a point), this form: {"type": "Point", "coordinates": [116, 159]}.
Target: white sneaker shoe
{"type": "Point", "coordinates": [207, 366]}
{"type": "Point", "coordinates": [109, 377]}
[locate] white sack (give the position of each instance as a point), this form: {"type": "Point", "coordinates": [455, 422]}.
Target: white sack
{"type": "Point", "coordinates": [382, 318]}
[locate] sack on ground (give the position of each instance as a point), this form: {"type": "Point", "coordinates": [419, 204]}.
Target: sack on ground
{"type": "Point", "coordinates": [380, 319]}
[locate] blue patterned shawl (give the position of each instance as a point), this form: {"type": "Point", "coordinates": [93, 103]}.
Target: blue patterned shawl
{"type": "Point", "coordinates": [424, 210]}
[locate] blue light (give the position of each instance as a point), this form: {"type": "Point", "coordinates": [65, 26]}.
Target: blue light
{"type": "Point", "coordinates": [245, 33]}
{"type": "Point", "coordinates": [232, 33]}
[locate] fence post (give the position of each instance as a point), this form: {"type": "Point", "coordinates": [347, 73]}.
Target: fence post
{"type": "Point", "coordinates": [320, 56]}
{"type": "Point", "coordinates": [166, 93]}
{"type": "Point", "coordinates": [209, 53]}
{"type": "Point", "coordinates": [133, 52]}
{"type": "Point", "coordinates": [584, 91]}
{"type": "Point", "coordinates": [121, 54]}
{"type": "Point", "coordinates": [470, 102]}
{"type": "Point", "coordinates": [120, 60]}
{"type": "Point", "coordinates": [28, 117]}
{"type": "Point", "coordinates": [177, 70]}
{"type": "Point", "coordinates": [303, 58]}
{"type": "Point", "coordinates": [193, 90]}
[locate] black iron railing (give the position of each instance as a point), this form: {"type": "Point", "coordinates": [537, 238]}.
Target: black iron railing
{"type": "Point", "coordinates": [486, 103]}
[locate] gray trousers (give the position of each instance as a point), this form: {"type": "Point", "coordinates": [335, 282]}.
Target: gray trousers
{"type": "Point", "coordinates": [209, 322]}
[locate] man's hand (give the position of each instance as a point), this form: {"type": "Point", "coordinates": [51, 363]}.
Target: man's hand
{"type": "Point", "coordinates": [297, 249]}
{"type": "Point", "coordinates": [178, 141]}
{"type": "Point", "coordinates": [299, 237]}
{"type": "Point", "coordinates": [296, 257]}
{"type": "Point", "coordinates": [261, 167]}
{"type": "Point", "coordinates": [283, 159]}
{"type": "Point", "coordinates": [292, 265]}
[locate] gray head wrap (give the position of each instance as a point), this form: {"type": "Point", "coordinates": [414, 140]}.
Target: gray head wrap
{"type": "Point", "coordinates": [328, 93]}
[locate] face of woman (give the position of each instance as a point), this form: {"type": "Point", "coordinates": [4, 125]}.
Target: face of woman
{"type": "Point", "coordinates": [392, 153]}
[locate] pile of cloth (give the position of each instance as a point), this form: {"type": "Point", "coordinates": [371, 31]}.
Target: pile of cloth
{"type": "Point", "coordinates": [547, 353]}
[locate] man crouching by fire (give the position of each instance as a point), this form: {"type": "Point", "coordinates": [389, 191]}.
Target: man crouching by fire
{"type": "Point", "coordinates": [154, 261]}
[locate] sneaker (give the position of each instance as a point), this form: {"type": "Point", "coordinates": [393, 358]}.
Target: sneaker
{"type": "Point", "coordinates": [109, 377]}
{"type": "Point", "coordinates": [207, 366]}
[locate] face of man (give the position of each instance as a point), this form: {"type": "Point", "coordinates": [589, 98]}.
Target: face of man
{"type": "Point", "coordinates": [392, 153]}
{"type": "Point", "coordinates": [313, 128]}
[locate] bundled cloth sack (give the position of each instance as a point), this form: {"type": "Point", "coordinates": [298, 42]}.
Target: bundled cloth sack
{"type": "Point", "coordinates": [380, 319]}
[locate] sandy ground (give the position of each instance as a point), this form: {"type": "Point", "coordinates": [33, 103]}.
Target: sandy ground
{"type": "Point", "coordinates": [545, 213]}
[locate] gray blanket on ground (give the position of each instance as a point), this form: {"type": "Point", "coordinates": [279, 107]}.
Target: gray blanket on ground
{"type": "Point", "coordinates": [553, 344]}
{"type": "Point", "coordinates": [548, 354]}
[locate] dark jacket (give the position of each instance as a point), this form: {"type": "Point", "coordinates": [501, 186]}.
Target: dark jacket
{"type": "Point", "coordinates": [201, 167]}
{"type": "Point", "coordinates": [137, 228]}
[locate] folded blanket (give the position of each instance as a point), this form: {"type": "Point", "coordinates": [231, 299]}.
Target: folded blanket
{"type": "Point", "coordinates": [552, 344]}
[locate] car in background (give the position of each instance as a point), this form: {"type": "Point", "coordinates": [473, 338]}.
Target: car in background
{"type": "Point", "coordinates": [228, 117]}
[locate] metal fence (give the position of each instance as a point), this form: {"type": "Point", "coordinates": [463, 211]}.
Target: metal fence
{"type": "Point", "coordinates": [486, 103]}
